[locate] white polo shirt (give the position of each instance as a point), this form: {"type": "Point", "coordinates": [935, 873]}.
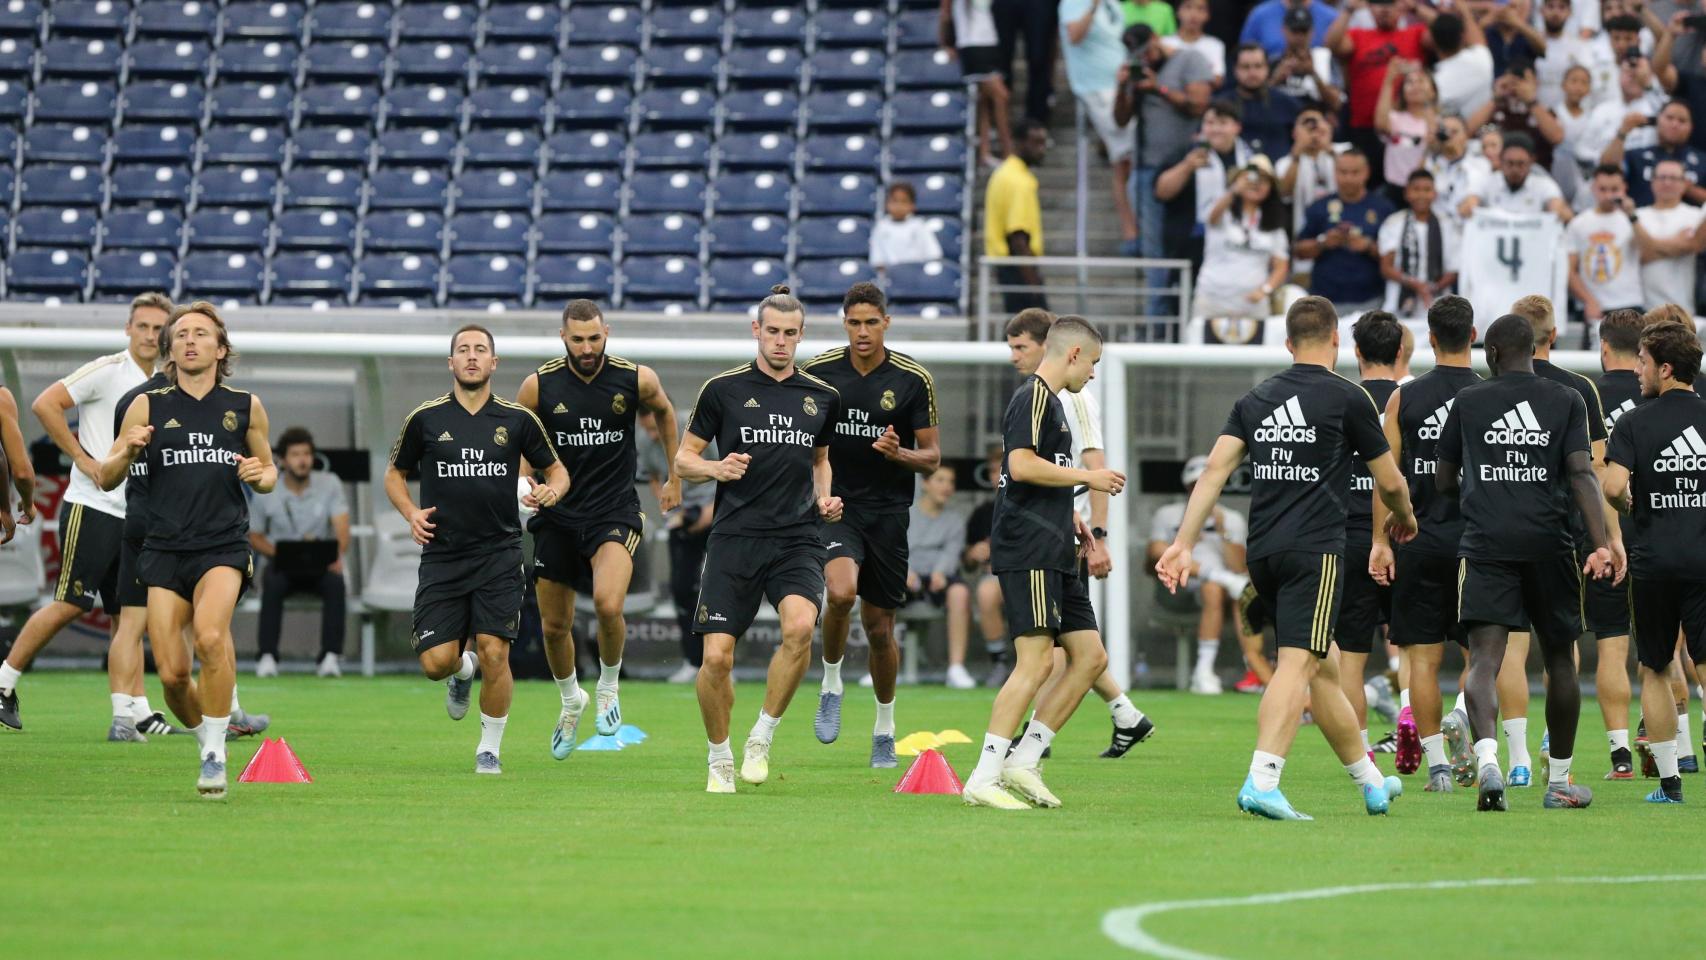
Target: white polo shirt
{"type": "Point", "coordinates": [1084, 419]}
{"type": "Point", "coordinates": [96, 387]}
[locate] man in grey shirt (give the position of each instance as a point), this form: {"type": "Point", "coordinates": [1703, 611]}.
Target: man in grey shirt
{"type": "Point", "coordinates": [689, 532]}
{"type": "Point", "coordinates": [935, 545]}
{"type": "Point", "coordinates": [307, 504]}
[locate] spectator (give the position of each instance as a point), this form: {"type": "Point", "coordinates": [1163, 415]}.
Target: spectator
{"type": "Point", "coordinates": [966, 29]}
{"type": "Point", "coordinates": [1575, 116]}
{"type": "Point", "coordinates": [1458, 170]}
{"type": "Point", "coordinates": [1304, 70]}
{"type": "Point", "coordinates": [1266, 23]}
{"type": "Point", "coordinates": [689, 533]}
{"type": "Point", "coordinates": [935, 542]}
{"type": "Point", "coordinates": [307, 505]}
{"type": "Point", "coordinates": [1603, 53]}
{"type": "Point", "coordinates": [1510, 37]}
{"type": "Point", "coordinates": [1564, 51]}
{"type": "Point", "coordinates": [1669, 235]}
{"type": "Point", "coordinates": [1686, 59]}
{"type": "Point", "coordinates": [1197, 174]}
{"type": "Point", "coordinates": [902, 236]}
{"type": "Point", "coordinates": [1518, 189]}
{"type": "Point", "coordinates": [1306, 173]}
{"type": "Point", "coordinates": [1268, 113]}
{"type": "Point", "coordinates": [1095, 56]}
{"type": "Point", "coordinates": [1367, 54]}
{"type": "Point", "coordinates": [1340, 234]}
{"type": "Point", "coordinates": [1156, 14]}
{"type": "Point", "coordinates": [1245, 253]}
{"type": "Point", "coordinates": [1605, 267]}
{"type": "Point", "coordinates": [1672, 129]}
{"type": "Point", "coordinates": [991, 621]}
{"type": "Point", "coordinates": [1193, 17]}
{"type": "Point", "coordinates": [1036, 22]}
{"type": "Point", "coordinates": [1516, 108]}
{"type": "Point", "coordinates": [1463, 76]}
{"type": "Point", "coordinates": [1406, 115]}
{"type": "Point", "coordinates": [1626, 118]}
{"type": "Point", "coordinates": [1418, 251]}
{"type": "Point", "coordinates": [1013, 218]}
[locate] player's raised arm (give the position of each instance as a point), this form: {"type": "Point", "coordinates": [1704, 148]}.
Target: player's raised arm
{"type": "Point", "coordinates": [657, 401]}
{"type": "Point", "coordinates": [257, 469]}
{"type": "Point", "coordinates": [133, 435]}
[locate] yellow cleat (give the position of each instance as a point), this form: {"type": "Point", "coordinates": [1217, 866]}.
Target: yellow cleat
{"type": "Point", "coordinates": [721, 777]}
{"type": "Point", "coordinates": [755, 762]}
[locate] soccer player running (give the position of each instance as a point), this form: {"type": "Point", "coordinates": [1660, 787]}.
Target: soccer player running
{"type": "Point", "coordinates": [885, 436]}
{"type": "Point", "coordinates": [204, 441]}
{"type": "Point", "coordinates": [1655, 469]}
{"type": "Point", "coordinates": [773, 424]}
{"type": "Point", "coordinates": [1423, 572]}
{"type": "Point", "coordinates": [1044, 591]}
{"type": "Point", "coordinates": [588, 401]}
{"type": "Point", "coordinates": [1301, 427]}
{"type": "Point", "coordinates": [1522, 444]}
{"type": "Point", "coordinates": [467, 447]}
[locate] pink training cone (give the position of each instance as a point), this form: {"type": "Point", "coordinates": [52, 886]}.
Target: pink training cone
{"type": "Point", "coordinates": [275, 762]}
{"type": "Point", "coordinates": [930, 773]}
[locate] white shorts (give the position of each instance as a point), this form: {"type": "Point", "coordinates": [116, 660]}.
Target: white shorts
{"type": "Point", "coordinates": [1120, 141]}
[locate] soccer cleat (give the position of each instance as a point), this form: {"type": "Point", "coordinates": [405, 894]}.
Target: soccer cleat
{"type": "Point", "coordinates": [329, 666]}
{"type": "Point", "coordinates": [1027, 784]}
{"type": "Point", "coordinates": [266, 666]}
{"type": "Point", "coordinates": [9, 710]}
{"type": "Point", "coordinates": [457, 693]}
{"type": "Point", "coordinates": [1375, 799]}
{"type": "Point", "coordinates": [827, 723]}
{"type": "Point", "coordinates": [686, 673]}
{"type": "Point", "coordinates": [959, 678]}
{"type": "Point", "coordinates": [1205, 682]}
{"type": "Point", "coordinates": [1439, 779]}
{"type": "Point", "coordinates": [882, 751]}
{"type": "Point", "coordinates": [998, 673]}
{"type": "Point", "coordinates": [1620, 771]}
{"type": "Point", "coordinates": [609, 719]}
{"type": "Point", "coordinates": [1386, 744]}
{"type": "Point", "coordinates": [1394, 788]}
{"type": "Point", "coordinates": [1125, 738]}
{"type": "Point", "coordinates": [568, 722]}
{"type": "Point", "coordinates": [124, 731]}
{"type": "Point", "coordinates": [991, 795]}
{"type": "Point", "coordinates": [1545, 758]}
{"type": "Point", "coordinates": [1266, 803]}
{"type": "Point", "coordinates": [755, 761]}
{"type": "Point", "coordinates": [211, 784]}
{"type": "Point", "coordinates": [1520, 776]}
{"type": "Point", "coordinates": [246, 724]}
{"type": "Point", "coordinates": [720, 776]}
{"type": "Point", "coordinates": [1669, 791]}
{"type": "Point", "coordinates": [1409, 758]}
{"type": "Point", "coordinates": [155, 725]}
{"type": "Point", "coordinates": [1566, 796]}
{"type": "Point", "coordinates": [1492, 793]}
{"type": "Point", "coordinates": [1649, 766]}
{"type": "Point", "coordinates": [487, 762]}
{"type": "Point", "coordinates": [1688, 764]}
{"type": "Point", "coordinates": [1249, 683]}
{"type": "Point", "coordinates": [1382, 701]}
{"type": "Point", "coordinates": [1455, 726]}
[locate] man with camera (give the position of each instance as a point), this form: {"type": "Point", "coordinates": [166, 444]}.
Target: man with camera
{"type": "Point", "coordinates": [1516, 109]}
{"type": "Point", "coordinates": [1624, 122]}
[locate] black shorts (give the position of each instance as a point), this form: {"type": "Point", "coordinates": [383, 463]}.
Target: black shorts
{"type": "Point", "coordinates": [876, 542]}
{"type": "Point", "coordinates": [1252, 612]}
{"type": "Point", "coordinates": [742, 571]}
{"type": "Point", "coordinates": [88, 558]}
{"type": "Point", "coordinates": [459, 597]}
{"type": "Point", "coordinates": [1366, 604]}
{"type": "Point", "coordinates": [979, 61]}
{"type": "Point", "coordinates": [1300, 592]}
{"type": "Point", "coordinates": [1659, 608]}
{"type": "Point", "coordinates": [1543, 597]}
{"type": "Point", "coordinates": [180, 572]}
{"type": "Point", "coordinates": [132, 592]}
{"type": "Point", "coordinates": [1605, 608]}
{"type": "Point", "coordinates": [935, 598]}
{"type": "Point", "coordinates": [563, 554]}
{"type": "Point", "coordinates": [1424, 600]}
{"type": "Point", "coordinates": [1046, 601]}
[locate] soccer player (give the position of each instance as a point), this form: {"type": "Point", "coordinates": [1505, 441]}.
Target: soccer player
{"type": "Point", "coordinates": [467, 447]}
{"type": "Point", "coordinates": [1423, 572]}
{"type": "Point", "coordinates": [885, 437]}
{"type": "Point", "coordinates": [588, 402]}
{"type": "Point", "coordinates": [1605, 605]}
{"type": "Point", "coordinates": [204, 441]}
{"type": "Point", "coordinates": [1654, 471]}
{"type": "Point", "coordinates": [1521, 442]}
{"type": "Point", "coordinates": [1302, 427]}
{"type": "Point", "coordinates": [1043, 587]}
{"type": "Point", "coordinates": [772, 423]}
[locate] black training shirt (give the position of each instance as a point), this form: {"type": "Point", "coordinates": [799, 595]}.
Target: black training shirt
{"type": "Point", "coordinates": [898, 393]}
{"type": "Point", "coordinates": [1662, 443]}
{"type": "Point", "coordinates": [1359, 519]}
{"type": "Point", "coordinates": [1423, 405]}
{"type": "Point", "coordinates": [590, 422]}
{"type": "Point", "coordinates": [1598, 429]}
{"type": "Point", "coordinates": [1619, 393]}
{"type": "Point", "coordinates": [200, 504]}
{"type": "Point", "coordinates": [1033, 524]}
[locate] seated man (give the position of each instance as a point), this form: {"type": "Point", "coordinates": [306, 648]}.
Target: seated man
{"type": "Point", "coordinates": [307, 505]}
{"type": "Point", "coordinates": [935, 541]}
{"type": "Point", "coordinates": [992, 622]}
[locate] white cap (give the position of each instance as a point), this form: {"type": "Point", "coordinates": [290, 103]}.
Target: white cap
{"type": "Point", "coordinates": [1195, 467]}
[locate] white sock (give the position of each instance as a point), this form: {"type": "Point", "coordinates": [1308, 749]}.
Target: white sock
{"type": "Point", "coordinates": [990, 760]}
{"type": "Point", "coordinates": [1462, 703]}
{"type": "Point", "coordinates": [467, 670]}
{"type": "Point", "coordinates": [1516, 739]}
{"type": "Point", "coordinates": [569, 689]}
{"type": "Point", "coordinates": [1434, 749]}
{"type": "Point", "coordinates": [213, 736]}
{"type": "Point", "coordinates": [1365, 773]}
{"type": "Point", "coordinates": [1664, 754]}
{"type": "Point", "coordinates": [1029, 752]}
{"type": "Point", "coordinates": [491, 734]}
{"type": "Point", "coordinates": [885, 719]}
{"type": "Point", "coordinates": [1486, 753]}
{"type": "Point", "coordinates": [1619, 739]}
{"type": "Point", "coordinates": [1559, 771]}
{"type": "Point", "coordinates": [1393, 663]}
{"type": "Point", "coordinates": [1404, 699]}
{"type": "Point", "coordinates": [9, 677]}
{"type": "Point", "coordinates": [720, 751]}
{"type": "Point", "coordinates": [765, 729]}
{"type": "Point", "coordinates": [1366, 746]}
{"type": "Point", "coordinates": [1125, 715]}
{"type": "Point", "coordinates": [831, 677]}
{"type": "Point", "coordinates": [1684, 738]}
{"type": "Point", "coordinates": [121, 706]}
{"type": "Point", "coordinates": [139, 708]}
{"type": "Point", "coordinates": [609, 674]}
{"type": "Point", "coordinates": [1265, 770]}
{"type": "Point", "coordinates": [236, 708]}
{"type": "Point", "coordinates": [1207, 649]}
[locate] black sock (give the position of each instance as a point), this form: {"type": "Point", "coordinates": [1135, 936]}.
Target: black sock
{"type": "Point", "coordinates": [1621, 756]}
{"type": "Point", "coordinates": [1672, 786]}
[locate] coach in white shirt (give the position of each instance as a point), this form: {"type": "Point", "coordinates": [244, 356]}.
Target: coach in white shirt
{"type": "Point", "coordinates": [1669, 234]}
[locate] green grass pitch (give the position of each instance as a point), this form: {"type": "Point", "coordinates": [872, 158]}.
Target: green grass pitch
{"type": "Point", "coordinates": [398, 850]}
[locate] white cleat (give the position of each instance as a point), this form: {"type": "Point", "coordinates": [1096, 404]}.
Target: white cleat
{"type": "Point", "coordinates": [608, 720]}
{"type": "Point", "coordinates": [755, 761]}
{"type": "Point", "coordinates": [266, 666]}
{"type": "Point", "coordinates": [990, 795]}
{"type": "Point", "coordinates": [1206, 683]}
{"type": "Point", "coordinates": [329, 666]}
{"type": "Point", "coordinates": [720, 776]}
{"type": "Point", "coordinates": [1027, 784]}
{"type": "Point", "coordinates": [686, 673]}
{"type": "Point", "coordinates": [959, 678]}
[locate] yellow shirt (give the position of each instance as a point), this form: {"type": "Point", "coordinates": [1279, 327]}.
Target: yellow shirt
{"type": "Point", "coordinates": [1010, 203]}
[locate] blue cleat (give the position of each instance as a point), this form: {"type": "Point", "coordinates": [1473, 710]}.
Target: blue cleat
{"type": "Point", "coordinates": [1660, 795]}
{"type": "Point", "coordinates": [1376, 799]}
{"type": "Point", "coordinates": [827, 723]}
{"type": "Point", "coordinates": [1267, 803]}
{"type": "Point", "coordinates": [609, 719]}
{"type": "Point", "coordinates": [1688, 764]}
{"type": "Point", "coordinates": [1519, 777]}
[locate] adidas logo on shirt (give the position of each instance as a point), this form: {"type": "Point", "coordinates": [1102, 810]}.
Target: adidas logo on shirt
{"type": "Point", "coordinates": [1616, 413]}
{"type": "Point", "coordinates": [751, 404]}
{"type": "Point", "coordinates": [172, 423]}
{"type": "Point", "coordinates": [1686, 454]}
{"type": "Point", "coordinates": [444, 437]}
{"type": "Point", "coordinates": [559, 408]}
{"type": "Point", "coordinates": [1518, 427]}
{"type": "Point", "coordinates": [1286, 425]}
{"type": "Point", "coordinates": [1430, 428]}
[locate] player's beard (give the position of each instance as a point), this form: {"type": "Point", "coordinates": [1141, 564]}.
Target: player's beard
{"type": "Point", "coordinates": [588, 364]}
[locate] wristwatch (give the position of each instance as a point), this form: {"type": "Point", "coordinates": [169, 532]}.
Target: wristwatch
{"type": "Point", "coordinates": [1099, 533]}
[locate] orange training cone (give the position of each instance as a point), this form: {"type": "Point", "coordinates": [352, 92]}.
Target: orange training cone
{"type": "Point", "coordinates": [930, 773]}
{"type": "Point", "coordinates": [275, 762]}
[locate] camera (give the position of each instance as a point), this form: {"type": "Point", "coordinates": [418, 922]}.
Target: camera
{"type": "Point", "coordinates": [1442, 135]}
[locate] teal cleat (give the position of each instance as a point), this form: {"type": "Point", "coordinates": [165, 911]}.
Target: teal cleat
{"type": "Point", "coordinates": [609, 719]}
{"type": "Point", "coordinates": [568, 724]}
{"type": "Point", "coordinates": [1267, 803]}
{"type": "Point", "coordinates": [1376, 800]}
{"type": "Point", "coordinates": [1667, 792]}
{"type": "Point", "coordinates": [1394, 788]}
{"type": "Point", "coordinates": [1519, 777]}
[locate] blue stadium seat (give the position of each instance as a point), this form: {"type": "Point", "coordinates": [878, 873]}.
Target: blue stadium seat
{"type": "Point", "coordinates": [662, 278]}
{"type": "Point", "coordinates": [585, 148]}
{"type": "Point", "coordinates": [262, 18]}
{"type": "Point", "coordinates": [255, 146]}
{"type": "Point", "coordinates": [589, 24]}
{"type": "Point", "coordinates": [825, 281]}
{"type": "Point", "coordinates": [765, 67]}
{"type": "Point", "coordinates": [508, 107]}
{"type": "Point", "coordinates": [665, 149]}
{"type": "Point", "coordinates": [500, 148]}
{"type": "Point", "coordinates": [916, 30]}
{"type": "Point", "coordinates": [432, 62]}
{"type": "Point", "coordinates": [520, 63]}
{"type": "Point", "coordinates": [939, 152]}
{"type": "Point", "coordinates": [61, 185]}
{"type": "Point", "coordinates": [162, 101]}
{"type": "Point", "coordinates": [494, 189]}
{"type": "Point", "coordinates": [343, 146]}
{"type": "Point", "coordinates": [769, 149]}
{"type": "Point", "coordinates": [322, 187]}
{"type": "Point", "coordinates": [228, 229]}
{"type": "Point", "coordinates": [485, 276]}
{"type": "Point", "coordinates": [74, 101]}
{"type": "Point", "coordinates": [590, 190]}
{"type": "Point", "coordinates": [486, 232]}
{"type": "Point", "coordinates": [126, 273]}
{"type": "Point", "coordinates": [949, 233]}
{"type": "Point", "coordinates": [838, 67]}
{"type": "Point", "coordinates": [752, 191]}
{"type": "Point", "coordinates": [14, 99]}
{"type": "Point", "coordinates": [433, 105]}
{"type": "Point", "coordinates": [179, 59]}
{"type": "Point", "coordinates": [416, 189]}
{"type": "Point", "coordinates": [686, 107]}
{"type": "Point", "coordinates": [407, 275]}
{"type": "Point", "coordinates": [833, 237]}
{"type": "Point", "coordinates": [224, 273]}
{"type": "Point", "coordinates": [17, 57]}
{"type": "Point", "coordinates": [52, 143]}
{"type": "Point", "coordinates": [417, 146]}
{"type": "Point", "coordinates": [97, 58]}
{"type": "Point", "coordinates": [674, 192]}
{"type": "Point", "coordinates": [263, 60]}
{"type": "Point", "coordinates": [267, 104]}
{"type": "Point", "coordinates": [669, 233]}
{"type": "Point", "coordinates": [70, 227]}
{"type": "Point", "coordinates": [152, 185]}
{"type": "Point", "coordinates": [585, 232]}
{"type": "Point", "coordinates": [236, 186]}
{"type": "Point", "coordinates": [774, 110]}
{"type": "Point", "coordinates": [522, 23]}
{"type": "Point", "coordinates": [308, 229]}
{"type": "Point", "coordinates": [843, 193]}
{"type": "Point", "coordinates": [195, 19]}
{"type": "Point", "coordinates": [749, 236]}
{"type": "Point", "coordinates": [700, 24]}
{"type": "Point", "coordinates": [94, 17]}
{"type": "Point", "coordinates": [927, 69]}
{"type": "Point", "coordinates": [147, 144]}
{"type": "Point", "coordinates": [562, 277]}
{"type": "Point", "coordinates": [337, 103]}
{"type": "Point", "coordinates": [591, 107]}
{"type": "Point", "coordinates": [353, 62]}
{"type": "Point", "coordinates": [8, 146]}
{"type": "Point", "coordinates": [611, 63]}
{"type": "Point", "coordinates": [928, 110]}
{"type": "Point", "coordinates": [935, 282]}
{"type": "Point", "coordinates": [692, 65]}
{"type": "Point", "coordinates": [736, 283]}
{"type": "Point", "coordinates": [33, 274]}
{"type": "Point", "coordinates": [844, 110]}
{"type": "Point", "coordinates": [864, 27]}
{"type": "Point", "coordinates": [760, 25]}
{"type": "Point", "coordinates": [842, 151]}
{"type": "Point", "coordinates": [359, 20]}
{"type": "Point", "coordinates": [451, 22]}
{"type": "Point", "coordinates": [421, 231]}
{"type": "Point", "coordinates": [940, 193]}
{"type": "Point", "coordinates": [319, 275]}
{"type": "Point", "coordinates": [20, 17]}
{"type": "Point", "coordinates": [137, 229]}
